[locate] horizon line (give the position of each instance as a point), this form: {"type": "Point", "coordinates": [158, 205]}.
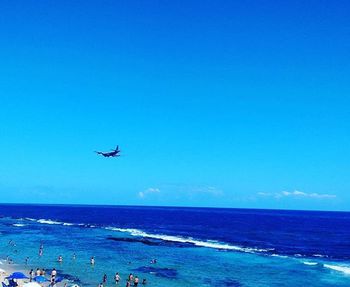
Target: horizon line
{"type": "Point", "coordinates": [166, 206]}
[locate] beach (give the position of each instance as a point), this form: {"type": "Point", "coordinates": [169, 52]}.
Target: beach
{"type": "Point", "coordinates": [177, 246]}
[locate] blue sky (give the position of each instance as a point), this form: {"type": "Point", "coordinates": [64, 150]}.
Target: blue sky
{"type": "Point", "coordinates": [213, 103]}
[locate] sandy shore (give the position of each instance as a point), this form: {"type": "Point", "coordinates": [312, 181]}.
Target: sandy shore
{"type": "Point", "coordinates": [9, 269]}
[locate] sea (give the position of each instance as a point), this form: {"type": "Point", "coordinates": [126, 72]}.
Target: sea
{"type": "Point", "coordinates": [173, 246]}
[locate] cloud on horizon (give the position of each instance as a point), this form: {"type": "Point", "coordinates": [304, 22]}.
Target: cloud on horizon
{"type": "Point", "coordinates": [150, 190]}
{"type": "Point", "coordinates": [296, 194]}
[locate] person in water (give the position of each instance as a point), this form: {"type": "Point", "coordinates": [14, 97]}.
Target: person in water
{"type": "Point", "coordinates": [144, 281]}
{"type": "Point", "coordinates": [117, 278]}
{"type": "Point", "coordinates": [136, 281]}
{"type": "Point", "coordinates": [104, 280]}
{"type": "Point", "coordinates": [41, 250]}
{"type": "Point", "coordinates": [92, 260]}
{"type": "Point", "coordinates": [60, 259]}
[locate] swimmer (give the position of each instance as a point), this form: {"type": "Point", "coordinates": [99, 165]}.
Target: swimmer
{"type": "Point", "coordinates": [117, 278]}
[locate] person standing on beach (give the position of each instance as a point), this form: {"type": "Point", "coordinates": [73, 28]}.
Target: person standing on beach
{"type": "Point", "coordinates": [31, 275]}
{"type": "Point", "coordinates": [53, 273]}
{"type": "Point", "coordinates": [52, 282]}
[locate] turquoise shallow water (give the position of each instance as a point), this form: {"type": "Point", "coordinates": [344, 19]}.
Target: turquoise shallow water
{"type": "Point", "coordinates": [178, 264]}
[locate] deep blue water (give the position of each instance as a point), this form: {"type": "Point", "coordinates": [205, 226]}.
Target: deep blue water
{"type": "Point", "coordinates": [202, 246]}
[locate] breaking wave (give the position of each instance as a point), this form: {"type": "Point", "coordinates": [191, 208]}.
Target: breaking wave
{"type": "Point", "coordinates": [18, 224]}
{"type": "Point", "coordinates": [49, 221]}
{"type": "Point", "coordinates": [188, 240]}
{"type": "Point", "coordinates": [310, 263]}
{"type": "Point", "coordinates": [339, 268]}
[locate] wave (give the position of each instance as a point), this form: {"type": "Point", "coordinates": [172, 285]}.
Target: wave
{"type": "Point", "coordinates": [48, 221]}
{"type": "Point", "coordinates": [187, 240]}
{"type": "Point", "coordinates": [278, 255]}
{"type": "Point", "coordinates": [28, 218]}
{"type": "Point", "coordinates": [310, 263]}
{"type": "Point", "coordinates": [340, 268]}
{"type": "Point", "coordinates": [18, 224]}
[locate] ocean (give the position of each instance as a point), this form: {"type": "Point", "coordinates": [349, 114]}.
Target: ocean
{"type": "Point", "coordinates": [192, 246]}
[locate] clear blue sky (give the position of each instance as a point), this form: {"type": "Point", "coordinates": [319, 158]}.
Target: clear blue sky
{"type": "Point", "coordinates": [213, 103]}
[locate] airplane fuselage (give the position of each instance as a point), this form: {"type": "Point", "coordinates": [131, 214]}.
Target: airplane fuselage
{"type": "Point", "coordinates": [113, 153]}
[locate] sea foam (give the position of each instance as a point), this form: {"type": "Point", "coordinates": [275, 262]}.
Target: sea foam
{"type": "Point", "coordinates": [189, 240]}
{"type": "Point", "coordinates": [340, 268]}
{"type": "Point", "coordinates": [310, 263]}
{"type": "Point", "coordinates": [48, 221]}
{"type": "Point", "coordinates": [18, 224]}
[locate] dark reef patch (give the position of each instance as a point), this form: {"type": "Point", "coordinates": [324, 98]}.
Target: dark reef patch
{"type": "Point", "coordinates": [168, 273]}
{"type": "Point", "coordinates": [150, 242]}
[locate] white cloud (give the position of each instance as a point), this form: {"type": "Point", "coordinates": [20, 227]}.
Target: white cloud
{"type": "Point", "coordinates": [142, 194]}
{"type": "Point", "coordinates": [296, 194]}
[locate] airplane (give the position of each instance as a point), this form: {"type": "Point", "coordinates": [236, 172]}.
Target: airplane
{"type": "Point", "coordinates": [113, 153]}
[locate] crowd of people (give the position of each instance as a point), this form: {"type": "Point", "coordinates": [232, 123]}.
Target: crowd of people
{"type": "Point", "coordinates": [131, 280]}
